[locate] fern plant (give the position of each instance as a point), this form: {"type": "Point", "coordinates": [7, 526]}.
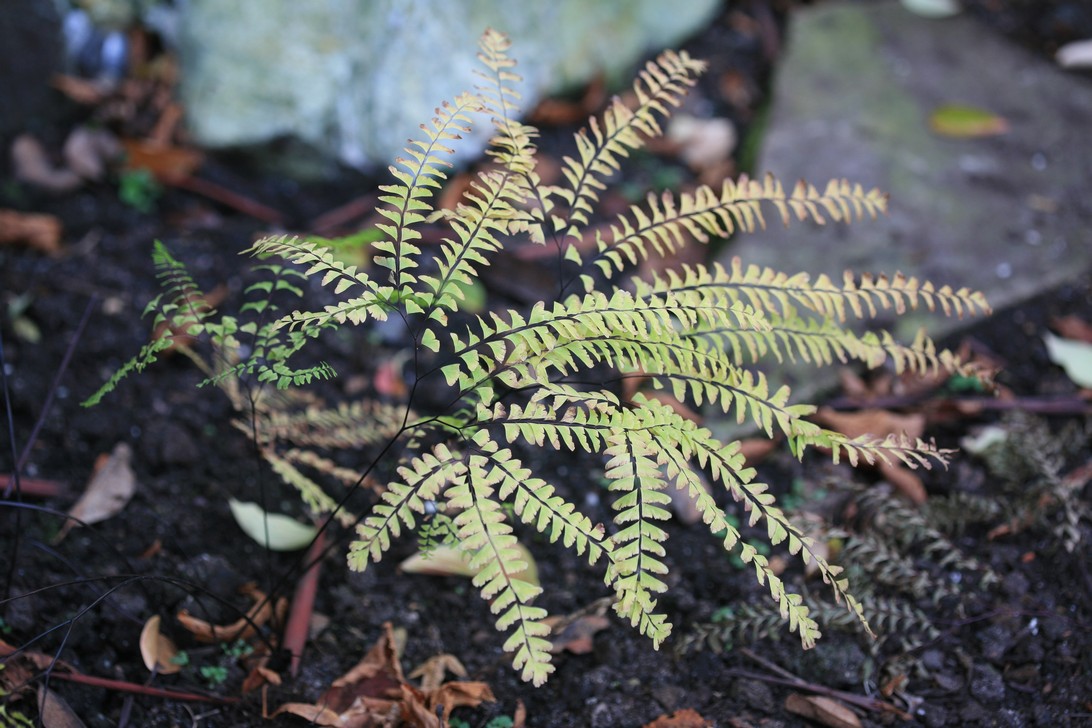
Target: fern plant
{"type": "Point", "coordinates": [550, 376]}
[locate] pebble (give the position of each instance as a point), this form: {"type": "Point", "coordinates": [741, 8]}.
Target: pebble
{"type": "Point", "coordinates": [996, 641]}
{"type": "Point", "coordinates": [755, 695]}
{"type": "Point", "coordinates": [1015, 585]}
{"type": "Point", "coordinates": [987, 684]}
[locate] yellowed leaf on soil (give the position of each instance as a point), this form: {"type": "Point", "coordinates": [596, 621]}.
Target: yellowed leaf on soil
{"type": "Point", "coordinates": [157, 649]}
{"type": "Point", "coordinates": [109, 489]}
{"type": "Point", "coordinates": [823, 710]}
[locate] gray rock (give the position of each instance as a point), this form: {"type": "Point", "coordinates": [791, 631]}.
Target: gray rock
{"type": "Point", "coordinates": [755, 694]}
{"type": "Point", "coordinates": [1008, 215]}
{"type": "Point", "coordinates": [353, 79]}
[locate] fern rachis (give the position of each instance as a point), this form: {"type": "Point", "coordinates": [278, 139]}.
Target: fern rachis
{"type": "Point", "coordinates": [512, 376]}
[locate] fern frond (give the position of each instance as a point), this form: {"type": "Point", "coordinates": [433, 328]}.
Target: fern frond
{"type": "Point", "coordinates": [484, 214]}
{"type": "Point", "coordinates": [679, 441]}
{"type": "Point", "coordinates": [423, 478]}
{"type": "Point", "coordinates": [537, 505]}
{"type": "Point", "coordinates": [637, 547]}
{"type": "Point", "coordinates": [311, 493]}
{"type": "Point", "coordinates": [418, 177]}
{"type": "Point", "coordinates": [659, 88]}
{"type": "Point", "coordinates": [497, 563]}
{"type": "Point", "coordinates": [349, 425]}
{"type": "Point", "coordinates": [663, 224]}
{"type": "Point", "coordinates": [180, 311]}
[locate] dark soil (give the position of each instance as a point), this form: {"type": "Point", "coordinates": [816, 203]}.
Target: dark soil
{"type": "Point", "coordinates": [1016, 653]}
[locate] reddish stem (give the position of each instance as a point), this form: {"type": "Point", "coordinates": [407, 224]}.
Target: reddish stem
{"type": "Point", "coordinates": [303, 604]}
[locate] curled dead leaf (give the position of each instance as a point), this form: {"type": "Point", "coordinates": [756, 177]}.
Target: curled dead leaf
{"type": "Point", "coordinates": [685, 718]}
{"type": "Point", "coordinates": [157, 649]}
{"type": "Point", "coordinates": [577, 636]}
{"type": "Point", "coordinates": [243, 628]}
{"type": "Point", "coordinates": [874, 422]}
{"type": "Point", "coordinates": [33, 166]}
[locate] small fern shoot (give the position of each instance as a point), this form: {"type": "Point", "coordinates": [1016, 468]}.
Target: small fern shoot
{"type": "Point", "coordinates": [548, 376]}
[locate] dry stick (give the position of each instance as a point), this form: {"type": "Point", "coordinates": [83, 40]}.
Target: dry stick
{"type": "Point", "coordinates": [303, 603]}
{"type": "Point", "coordinates": [32, 487]}
{"type": "Point", "coordinates": [787, 678]}
{"type": "Point", "coordinates": [129, 687]}
{"type": "Point", "coordinates": [225, 196]}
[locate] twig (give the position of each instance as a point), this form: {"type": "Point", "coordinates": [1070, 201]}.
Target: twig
{"type": "Point", "coordinates": [234, 200]}
{"type": "Point", "coordinates": [129, 687]}
{"type": "Point", "coordinates": [787, 678]}
{"type": "Point", "coordinates": [31, 487]}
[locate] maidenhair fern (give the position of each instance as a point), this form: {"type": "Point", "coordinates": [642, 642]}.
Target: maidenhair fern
{"type": "Point", "coordinates": [549, 376]}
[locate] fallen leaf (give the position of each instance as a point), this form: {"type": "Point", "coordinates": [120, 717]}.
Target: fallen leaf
{"type": "Point", "coordinates": [1075, 357]}
{"type": "Point", "coordinates": [106, 494]}
{"type": "Point", "coordinates": [32, 165]}
{"type": "Point", "coordinates": [823, 710]}
{"type": "Point", "coordinates": [313, 714]}
{"type": "Point", "coordinates": [157, 649]}
{"type": "Point", "coordinates": [87, 152]}
{"type": "Point", "coordinates": [1073, 327]}
{"type": "Point", "coordinates": [905, 481]}
{"type": "Point", "coordinates": [685, 718]}
{"type": "Point", "coordinates": [1077, 54]}
{"type": "Point", "coordinates": [446, 560]}
{"type": "Point", "coordinates": [683, 500]}
{"type": "Point", "coordinates": [874, 422]}
{"type": "Point", "coordinates": [966, 122]}
{"type": "Point", "coordinates": [54, 712]}
{"type": "Point", "coordinates": [454, 695]}
{"type": "Point", "coordinates": [375, 689]}
{"type": "Point", "coordinates": [41, 232]}
{"type": "Point", "coordinates": [756, 449]}
{"type": "Point", "coordinates": [243, 628]}
{"type": "Point", "coordinates": [274, 531]}
{"type": "Point", "coordinates": [433, 670]}
{"type": "Point", "coordinates": [168, 164]}
{"type": "Point", "coordinates": [576, 636]}
{"type": "Point", "coordinates": [935, 9]}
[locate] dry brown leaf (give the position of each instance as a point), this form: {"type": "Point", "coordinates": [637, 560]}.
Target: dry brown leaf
{"type": "Point", "coordinates": [755, 449]}
{"type": "Point", "coordinates": [313, 714]}
{"type": "Point", "coordinates": [823, 710]}
{"type": "Point", "coordinates": [875, 422]}
{"type": "Point", "coordinates": [33, 166]}
{"type": "Point", "coordinates": [433, 670]}
{"type": "Point", "coordinates": [685, 718]}
{"type": "Point", "coordinates": [242, 628]}
{"type": "Point", "coordinates": [106, 494]}
{"type": "Point", "coordinates": [577, 636]}
{"type": "Point", "coordinates": [374, 691]}
{"type": "Point", "coordinates": [54, 712]}
{"type": "Point", "coordinates": [41, 232]}
{"type": "Point", "coordinates": [157, 649]}
{"type": "Point", "coordinates": [454, 695]}
{"type": "Point", "coordinates": [168, 164]}
{"type": "Point", "coordinates": [678, 407]}
{"type": "Point", "coordinates": [905, 482]}
{"type": "Point", "coordinates": [683, 503]}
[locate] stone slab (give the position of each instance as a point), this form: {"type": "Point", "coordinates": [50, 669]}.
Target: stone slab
{"type": "Point", "coordinates": [1010, 215]}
